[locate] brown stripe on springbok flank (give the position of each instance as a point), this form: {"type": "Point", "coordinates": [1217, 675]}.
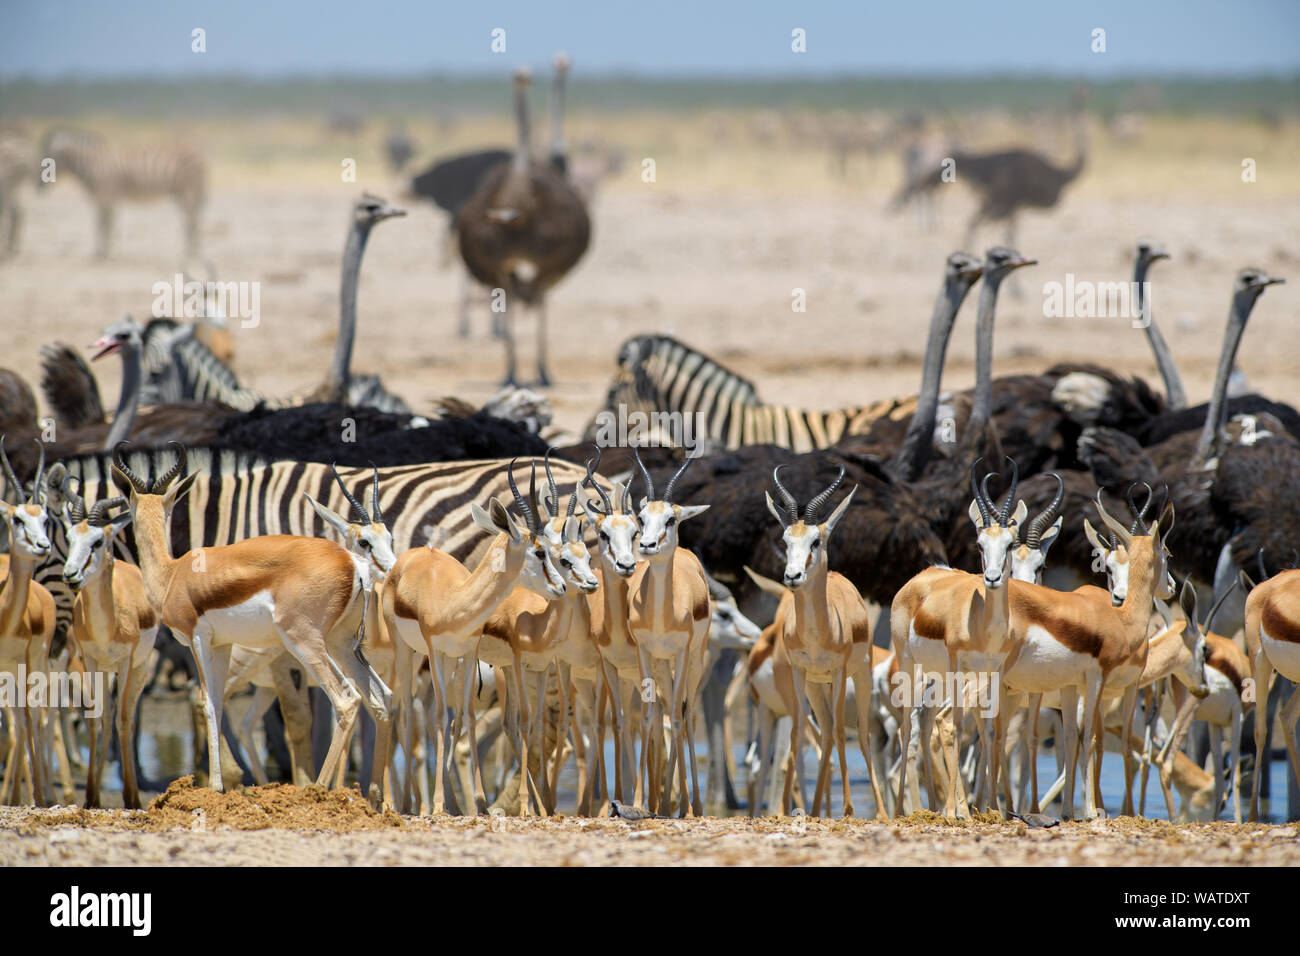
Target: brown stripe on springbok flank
{"type": "Point", "coordinates": [928, 625]}
{"type": "Point", "coordinates": [700, 611]}
{"type": "Point", "coordinates": [764, 648]}
{"type": "Point", "coordinates": [1070, 618]}
{"type": "Point", "coordinates": [1228, 660]}
{"type": "Point", "coordinates": [1277, 622]}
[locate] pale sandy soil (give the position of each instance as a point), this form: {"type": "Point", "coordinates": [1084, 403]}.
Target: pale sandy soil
{"type": "Point", "coordinates": [286, 826]}
{"type": "Point", "coordinates": [711, 252]}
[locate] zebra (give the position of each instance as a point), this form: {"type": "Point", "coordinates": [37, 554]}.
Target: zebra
{"type": "Point", "coordinates": [242, 495]}
{"type": "Point", "coordinates": [658, 374]}
{"type": "Point", "coordinates": [17, 165]}
{"type": "Point", "coordinates": [113, 173]}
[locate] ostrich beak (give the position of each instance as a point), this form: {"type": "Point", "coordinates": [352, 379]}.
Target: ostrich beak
{"type": "Point", "coordinates": [106, 346]}
{"type": "Point", "coordinates": [1022, 261]}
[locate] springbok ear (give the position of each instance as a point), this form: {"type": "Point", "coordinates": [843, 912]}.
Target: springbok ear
{"type": "Point", "coordinates": [777, 513]}
{"type": "Point", "coordinates": [180, 489]}
{"type": "Point", "coordinates": [617, 495]}
{"type": "Point", "coordinates": [838, 513]}
{"type": "Point", "coordinates": [1187, 601]}
{"type": "Point", "coordinates": [1048, 537]}
{"type": "Point", "coordinates": [496, 520]}
{"type": "Point", "coordinates": [1093, 538]}
{"type": "Point", "coordinates": [118, 523]}
{"type": "Point", "coordinates": [123, 483]}
{"type": "Point", "coordinates": [976, 518]}
{"type": "Point", "coordinates": [1018, 516]}
{"type": "Point", "coordinates": [644, 501]}
{"type": "Point", "coordinates": [593, 513]}
{"type": "Point", "coordinates": [1166, 522]}
{"type": "Point", "coordinates": [543, 513]}
{"type": "Point", "coordinates": [331, 518]}
{"type": "Point", "coordinates": [573, 529]}
{"type": "Point", "coordinates": [690, 511]}
{"type": "Point", "coordinates": [1247, 585]}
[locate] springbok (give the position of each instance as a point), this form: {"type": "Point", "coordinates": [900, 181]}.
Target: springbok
{"type": "Point", "coordinates": [1273, 642]}
{"type": "Point", "coordinates": [306, 595]}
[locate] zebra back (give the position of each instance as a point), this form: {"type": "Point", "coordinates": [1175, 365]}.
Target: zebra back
{"type": "Point", "coordinates": [114, 172]}
{"type": "Point", "coordinates": [242, 496]}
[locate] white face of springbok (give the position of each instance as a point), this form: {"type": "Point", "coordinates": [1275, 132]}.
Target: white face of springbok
{"type": "Point", "coordinates": [1115, 558]}
{"type": "Point", "coordinates": [1027, 562]}
{"type": "Point", "coordinates": [26, 521]}
{"type": "Point", "coordinates": [616, 528]}
{"type": "Point", "coordinates": [729, 630]}
{"type": "Point", "coordinates": [660, 517]}
{"type": "Point", "coordinates": [997, 528]}
{"type": "Point", "coordinates": [90, 541]}
{"type": "Point", "coordinates": [366, 536]}
{"type": "Point", "coordinates": [805, 538]}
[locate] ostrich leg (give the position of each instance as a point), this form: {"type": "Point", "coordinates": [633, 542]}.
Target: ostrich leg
{"type": "Point", "coordinates": [543, 379]}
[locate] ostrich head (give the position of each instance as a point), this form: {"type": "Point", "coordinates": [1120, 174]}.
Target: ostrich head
{"type": "Point", "coordinates": [1027, 559]}
{"type": "Point", "coordinates": [962, 269]}
{"type": "Point", "coordinates": [1000, 262]}
{"type": "Point", "coordinates": [370, 209]}
{"type": "Point", "coordinates": [126, 335]}
{"type": "Point", "coordinates": [804, 534]}
{"type": "Point", "coordinates": [1249, 285]}
{"type": "Point", "coordinates": [1149, 251]}
{"type": "Point", "coordinates": [660, 517]}
{"type": "Point", "coordinates": [997, 526]}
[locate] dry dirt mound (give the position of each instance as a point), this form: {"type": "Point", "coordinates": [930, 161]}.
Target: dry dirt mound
{"type": "Point", "coordinates": [280, 806]}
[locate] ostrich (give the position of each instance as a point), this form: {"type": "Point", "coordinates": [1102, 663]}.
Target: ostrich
{"type": "Point", "coordinates": [449, 183]}
{"type": "Point", "coordinates": [1149, 253]}
{"type": "Point", "coordinates": [893, 528]}
{"type": "Point", "coordinates": [523, 231]}
{"type": "Point", "coordinates": [1006, 181]}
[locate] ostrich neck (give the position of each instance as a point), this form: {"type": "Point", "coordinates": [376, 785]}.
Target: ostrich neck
{"type": "Point", "coordinates": [1175, 397]}
{"type": "Point", "coordinates": [982, 404]}
{"type": "Point", "coordinates": [915, 449]}
{"type": "Point", "coordinates": [340, 370]}
{"type": "Point", "coordinates": [1207, 446]}
{"type": "Point", "coordinates": [557, 118]}
{"type": "Point", "coordinates": [128, 400]}
{"type": "Point", "coordinates": [522, 141]}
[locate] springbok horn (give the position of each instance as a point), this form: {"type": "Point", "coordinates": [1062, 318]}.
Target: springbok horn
{"type": "Point", "coordinates": [1121, 533]}
{"type": "Point", "coordinates": [672, 482]}
{"type": "Point", "coordinates": [786, 497]}
{"type": "Point", "coordinates": [1263, 571]}
{"type": "Point", "coordinates": [1139, 517]}
{"type": "Point", "coordinates": [374, 497]}
{"type": "Point", "coordinates": [1034, 536]}
{"type": "Point", "coordinates": [356, 505]}
{"type": "Point", "coordinates": [137, 484]}
{"type": "Point", "coordinates": [553, 499]}
{"type": "Point", "coordinates": [649, 485]}
{"type": "Point", "coordinates": [166, 478]}
{"type": "Point", "coordinates": [1217, 604]}
{"type": "Point", "coordinates": [76, 503]}
{"type": "Point", "coordinates": [533, 516]}
{"type": "Point", "coordinates": [9, 472]}
{"type": "Point", "coordinates": [38, 493]}
{"type": "Point", "coordinates": [524, 510]}
{"type": "Point", "coordinates": [590, 482]}
{"type": "Point", "coordinates": [986, 514]}
{"type": "Point", "coordinates": [813, 507]}
{"type": "Point", "coordinates": [99, 512]}
{"type": "Point", "coordinates": [1011, 492]}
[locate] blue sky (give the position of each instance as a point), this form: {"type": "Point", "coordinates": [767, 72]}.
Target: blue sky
{"type": "Point", "coordinates": [95, 38]}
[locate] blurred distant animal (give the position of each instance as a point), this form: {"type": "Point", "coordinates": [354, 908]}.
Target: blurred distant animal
{"type": "Point", "coordinates": [18, 164]}
{"type": "Point", "coordinates": [398, 148]}
{"type": "Point", "coordinates": [112, 174]}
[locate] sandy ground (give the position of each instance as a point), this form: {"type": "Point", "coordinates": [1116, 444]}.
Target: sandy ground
{"type": "Point", "coordinates": [284, 825]}
{"type": "Point", "coordinates": [712, 251]}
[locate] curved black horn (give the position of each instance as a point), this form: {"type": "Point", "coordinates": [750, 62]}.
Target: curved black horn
{"type": "Point", "coordinates": [76, 503]}
{"type": "Point", "coordinates": [1010, 492]}
{"type": "Point", "coordinates": [9, 472]}
{"type": "Point", "coordinates": [356, 505]}
{"type": "Point", "coordinates": [374, 497]}
{"type": "Point", "coordinates": [649, 485]}
{"type": "Point", "coordinates": [38, 495]}
{"type": "Point", "coordinates": [1043, 521]}
{"type": "Point", "coordinates": [553, 499]}
{"type": "Point", "coordinates": [1217, 604]}
{"type": "Point", "coordinates": [1263, 571]}
{"type": "Point", "coordinates": [1139, 516]}
{"type": "Point", "coordinates": [99, 511]}
{"type": "Point", "coordinates": [986, 511]}
{"type": "Point", "coordinates": [533, 515]}
{"type": "Point", "coordinates": [167, 477]}
{"type": "Point", "coordinates": [137, 484]}
{"type": "Point", "coordinates": [590, 482]}
{"type": "Point", "coordinates": [787, 499]}
{"type": "Point", "coordinates": [672, 482]}
{"type": "Point", "coordinates": [815, 505]}
{"type": "Point", "coordinates": [525, 511]}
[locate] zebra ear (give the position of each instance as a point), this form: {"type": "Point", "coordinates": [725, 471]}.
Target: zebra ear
{"type": "Point", "coordinates": [331, 518]}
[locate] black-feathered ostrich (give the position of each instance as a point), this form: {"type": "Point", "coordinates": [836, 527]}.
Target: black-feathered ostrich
{"type": "Point", "coordinates": [1006, 182]}
{"type": "Point", "coordinates": [449, 183]}
{"type": "Point", "coordinates": [522, 232]}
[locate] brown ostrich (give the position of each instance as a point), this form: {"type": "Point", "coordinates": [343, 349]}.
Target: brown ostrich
{"type": "Point", "coordinates": [522, 232]}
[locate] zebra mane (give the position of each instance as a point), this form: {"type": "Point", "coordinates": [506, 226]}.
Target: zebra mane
{"type": "Point", "coordinates": [647, 356]}
{"type": "Point", "coordinates": [149, 463]}
{"type": "Point", "coordinates": [178, 367]}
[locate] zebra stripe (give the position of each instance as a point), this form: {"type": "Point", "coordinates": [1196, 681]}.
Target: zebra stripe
{"type": "Point", "coordinates": [659, 374]}
{"type": "Point", "coordinates": [241, 496]}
